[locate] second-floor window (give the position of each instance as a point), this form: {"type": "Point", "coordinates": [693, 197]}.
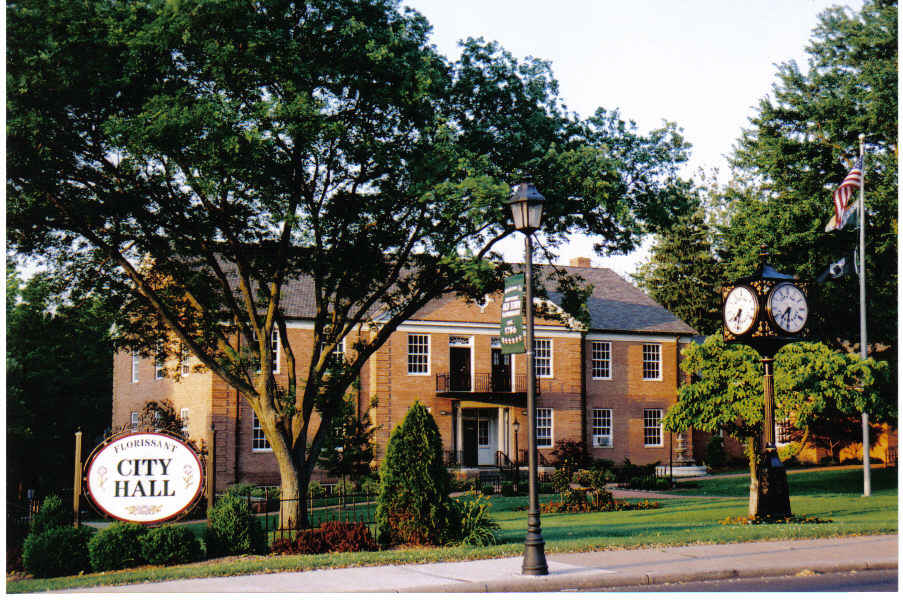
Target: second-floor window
{"type": "Point", "coordinates": [652, 361]}
{"type": "Point", "coordinates": [184, 361]}
{"type": "Point", "coordinates": [601, 360]}
{"type": "Point", "coordinates": [338, 354]}
{"type": "Point", "coordinates": [544, 427]}
{"type": "Point", "coordinates": [652, 427]}
{"type": "Point", "coordinates": [418, 354]}
{"type": "Point", "coordinates": [542, 357]}
{"type": "Point", "coordinates": [602, 428]}
{"type": "Point", "coordinates": [274, 349]}
{"type": "Point", "coordinates": [183, 416]}
{"type": "Point", "coordinates": [136, 362]}
{"type": "Point", "coordinates": [258, 438]}
{"type": "Point", "coordinates": [159, 363]}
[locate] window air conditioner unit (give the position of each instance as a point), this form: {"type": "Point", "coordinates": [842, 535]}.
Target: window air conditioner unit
{"type": "Point", "coordinates": [602, 441]}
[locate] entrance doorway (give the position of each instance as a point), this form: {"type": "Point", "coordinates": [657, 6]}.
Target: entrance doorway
{"type": "Point", "coordinates": [501, 371]}
{"type": "Point", "coordinates": [479, 436]}
{"type": "Point", "coordinates": [459, 367]}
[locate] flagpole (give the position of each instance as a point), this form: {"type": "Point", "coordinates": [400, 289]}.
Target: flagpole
{"type": "Point", "coordinates": [866, 445]}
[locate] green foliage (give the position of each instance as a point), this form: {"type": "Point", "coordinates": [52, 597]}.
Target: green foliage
{"type": "Point", "coordinates": [333, 536]}
{"type": "Point", "coordinates": [57, 551]}
{"type": "Point", "coordinates": [560, 480]}
{"type": "Point", "coordinates": [316, 489]}
{"type": "Point", "coordinates": [233, 529]}
{"type": "Point", "coordinates": [477, 527]}
{"type": "Point", "coordinates": [788, 451]}
{"type": "Point", "coordinates": [413, 505]}
{"type": "Point", "coordinates": [117, 547]}
{"type": "Point", "coordinates": [58, 353]}
{"type": "Point", "coordinates": [353, 434]}
{"type": "Point", "coordinates": [51, 515]}
{"type": "Point", "coordinates": [170, 545]}
{"type": "Point", "coordinates": [370, 486]}
{"type": "Point", "coordinates": [683, 274]}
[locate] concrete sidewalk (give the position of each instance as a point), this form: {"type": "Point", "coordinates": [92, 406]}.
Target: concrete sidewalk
{"type": "Point", "coordinates": [566, 571]}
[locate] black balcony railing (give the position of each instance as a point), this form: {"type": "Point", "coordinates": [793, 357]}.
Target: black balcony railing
{"type": "Point", "coordinates": [483, 383]}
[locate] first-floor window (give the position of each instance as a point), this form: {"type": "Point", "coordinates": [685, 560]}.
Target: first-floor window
{"type": "Point", "coordinates": [134, 420]}
{"type": "Point", "coordinates": [159, 363]}
{"type": "Point", "coordinates": [602, 428]}
{"type": "Point", "coordinates": [652, 427]}
{"type": "Point", "coordinates": [184, 361]}
{"type": "Point", "coordinates": [418, 354]}
{"type": "Point", "coordinates": [544, 427]}
{"type": "Point", "coordinates": [258, 439]}
{"type": "Point", "coordinates": [542, 357]}
{"type": "Point", "coordinates": [183, 416]}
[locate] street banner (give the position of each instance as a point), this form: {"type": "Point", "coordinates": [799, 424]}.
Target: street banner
{"type": "Point", "coordinates": [512, 325]}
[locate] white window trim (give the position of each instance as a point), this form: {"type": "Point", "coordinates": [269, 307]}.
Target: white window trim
{"type": "Point", "coordinates": [136, 363]}
{"type": "Point", "coordinates": [184, 361]}
{"type": "Point", "coordinates": [159, 365]}
{"type": "Point", "coordinates": [661, 366]}
{"type": "Point", "coordinates": [661, 429]}
{"type": "Point", "coordinates": [610, 360]}
{"type": "Point", "coordinates": [429, 354]}
{"type": "Point", "coordinates": [256, 421]}
{"type": "Point", "coordinates": [274, 337]}
{"type": "Point", "coordinates": [184, 417]}
{"type": "Point", "coordinates": [133, 420]}
{"type": "Point", "coordinates": [551, 427]}
{"type": "Point", "coordinates": [611, 428]}
{"type": "Point", "coordinates": [551, 374]}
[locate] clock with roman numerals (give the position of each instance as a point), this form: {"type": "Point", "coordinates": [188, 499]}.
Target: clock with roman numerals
{"type": "Point", "coordinates": [788, 308]}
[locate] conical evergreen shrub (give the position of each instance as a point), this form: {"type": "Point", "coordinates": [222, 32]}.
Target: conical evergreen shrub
{"type": "Point", "coordinates": [413, 505]}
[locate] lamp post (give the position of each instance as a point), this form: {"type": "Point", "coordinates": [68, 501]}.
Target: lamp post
{"type": "Point", "coordinates": [516, 426]}
{"type": "Point", "coordinates": [526, 209]}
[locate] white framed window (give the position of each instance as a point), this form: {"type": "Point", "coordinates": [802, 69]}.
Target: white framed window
{"type": "Point", "coordinates": [159, 363]}
{"type": "Point", "coordinates": [544, 436]}
{"type": "Point", "coordinates": [259, 442]}
{"type": "Point", "coordinates": [542, 357]}
{"type": "Point", "coordinates": [483, 433]}
{"type": "Point", "coordinates": [184, 361]}
{"type": "Point", "coordinates": [601, 360]}
{"type": "Point", "coordinates": [134, 420]}
{"type": "Point", "coordinates": [274, 349]}
{"type": "Point", "coordinates": [652, 362]}
{"type": "Point", "coordinates": [652, 428]}
{"type": "Point", "coordinates": [602, 437]}
{"type": "Point", "coordinates": [338, 353]}
{"type": "Point", "coordinates": [136, 362]}
{"type": "Point", "coordinates": [183, 416]}
{"type": "Point", "coordinates": [418, 354]}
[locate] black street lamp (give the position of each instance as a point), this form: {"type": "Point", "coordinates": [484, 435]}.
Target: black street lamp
{"type": "Point", "coordinates": [516, 426]}
{"type": "Point", "coordinates": [526, 208]}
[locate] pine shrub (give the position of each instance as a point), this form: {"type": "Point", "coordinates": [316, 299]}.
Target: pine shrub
{"type": "Point", "coordinates": [170, 545]}
{"type": "Point", "coordinates": [57, 552]}
{"type": "Point", "coordinates": [413, 505]}
{"type": "Point", "coordinates": [233, 529]}
{"type": "Point", "coordinates": [117, 547]}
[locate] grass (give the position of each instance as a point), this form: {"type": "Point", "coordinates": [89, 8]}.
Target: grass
{"type": "Point", "coordinates": [828, 495]}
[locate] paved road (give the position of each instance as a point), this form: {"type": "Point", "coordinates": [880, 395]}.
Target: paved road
{"type": "Point", "coordinates": [589, 570]}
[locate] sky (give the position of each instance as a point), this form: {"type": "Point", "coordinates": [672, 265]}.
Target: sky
{"type": "Point", "coordinates": [702, 64]}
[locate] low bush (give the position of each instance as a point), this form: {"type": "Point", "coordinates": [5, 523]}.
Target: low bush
{"type": "Point", "coordinates": [715, 454]}
{"type": "Point", "coordinates": [560, 480]}
{"type": "Point", "coordinates": [333, 536]}
{"type": "Point", "coordinates": [477, 528]}
{"type": "Point", "coordinates": [370, 486]}
{"type": "Point", "coordinates": [315, 489]}
{"type": "Point", "coordinates": [488, 490]}
{"type": "Point", "coordinates": [507, 489]}
{"type": "Point", "coordinates": [170, 545]}
{"type": "Point", "coordinates": [233, 529]}
{"type": "Point", "coordinates": [57, 552]}
{"type": "Point", "coordinates": [51, 515]}
{"type": "Point", "coordinates": [117, 547]}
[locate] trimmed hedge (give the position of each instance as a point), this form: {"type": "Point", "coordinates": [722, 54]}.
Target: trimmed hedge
{"type": "Point", "coordinates": [57, 552]}
{"type": "Point", "coordinates": [51, 515]}
{"type": "Point", "coordinates": [117, 547]}
{"type": "Point", "coordinates": [233, 529]}
{"type": "Point", "coordinates": [170, 545]}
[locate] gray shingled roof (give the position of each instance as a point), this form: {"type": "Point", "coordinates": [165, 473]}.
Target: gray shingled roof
{"type": "Point", "coordinates": [614, 306]}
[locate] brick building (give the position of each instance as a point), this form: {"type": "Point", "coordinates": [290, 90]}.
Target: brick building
{"type": "Point", "coordinates": [608, 384]}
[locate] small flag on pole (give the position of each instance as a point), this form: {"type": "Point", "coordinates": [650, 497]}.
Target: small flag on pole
{"type": "Point", "coordinates": [843, 193]}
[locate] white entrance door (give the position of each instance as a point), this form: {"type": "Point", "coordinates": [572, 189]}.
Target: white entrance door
{"type": "Point", "coordinates": [487, 438]}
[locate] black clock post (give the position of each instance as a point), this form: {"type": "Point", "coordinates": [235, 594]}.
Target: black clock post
{"type": "Point", "coordinates": [766, 311]}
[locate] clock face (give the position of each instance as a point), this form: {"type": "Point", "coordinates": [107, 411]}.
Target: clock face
{"type": "Point", "coordinates": [788, 307]}
{"type": "Point", "coordinates": [740, 310]}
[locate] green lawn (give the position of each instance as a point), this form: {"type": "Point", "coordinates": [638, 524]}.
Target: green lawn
{"type": "Point", "coordinates": [832, 495]}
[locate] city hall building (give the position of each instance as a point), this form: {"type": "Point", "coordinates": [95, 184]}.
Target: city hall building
{"type": "Point", "coordinates": [608, 383]}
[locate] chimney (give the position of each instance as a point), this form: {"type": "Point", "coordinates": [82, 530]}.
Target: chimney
{"type": "Point", "coordinates": [581, 261]}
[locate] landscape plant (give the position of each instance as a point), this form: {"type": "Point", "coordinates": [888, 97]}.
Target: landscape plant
{"type": "Point", "coordinates": [57, 551]}
{"type": "Point", "coordinates": [117, 547]}
{"type": "Point", "coordinates": [233, 529]}
{"type": "Point", "coordinates": [413, 506]}
{"type": "Point", "coordinates": [50, 515]}
{"type": "Point", "coordinates": [170, 545]}
{"type": "Point", "coordinates": [477, 527]}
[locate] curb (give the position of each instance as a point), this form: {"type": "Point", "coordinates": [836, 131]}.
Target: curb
{"type": "Point", "coordinates": [564, 583]}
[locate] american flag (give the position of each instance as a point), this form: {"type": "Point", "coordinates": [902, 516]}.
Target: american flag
{"type": "Point", "coordinates": [843, 193]}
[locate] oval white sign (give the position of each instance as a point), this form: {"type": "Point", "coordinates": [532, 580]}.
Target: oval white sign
{"type": "Point", "coordinates": [144, 477]}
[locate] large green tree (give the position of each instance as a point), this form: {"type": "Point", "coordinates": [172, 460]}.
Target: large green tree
{"type": "Point", "coordinates": [683, 274]}
{"type": "Point", "coordinates": [194, 156]}
{"type": "Point", "coordinates": [800, 144]}
{"type": "Point", "coordinates": [726, 392]}
{"type": "Point", "coordinates": [59, 369]}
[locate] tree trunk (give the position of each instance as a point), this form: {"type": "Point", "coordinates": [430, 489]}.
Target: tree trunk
{"type": "Point", "coordinates": [752, 453]}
